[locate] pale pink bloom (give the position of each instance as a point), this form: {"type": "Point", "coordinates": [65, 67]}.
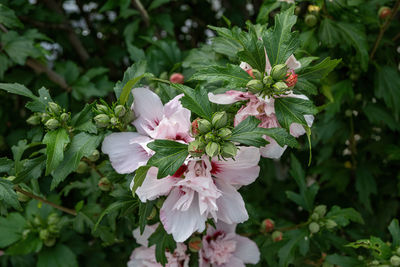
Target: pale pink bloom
{"type": "Point", "coordinates": [222, 247]}
{"type": "Point", "coordinates": [144, 256]}
{"type": "Point", "coordinates": [128, 150]}
{"type": "Point", "coordinates": [208, 189]}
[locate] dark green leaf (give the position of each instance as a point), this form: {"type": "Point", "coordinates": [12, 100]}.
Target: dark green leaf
{"type": "Point", "coordinates": [55, 142]}
{"type": "Point", "coordinates": [365, 186]}
{"type": "Point", "coordinates": [320, 70]}
{"type": "Point", "coordinates": [281, 136]}
{"type": "Point", "coordinates": [343, 216]}
{"type": "Point", "coordinates": [19, 89]}
{"type": "Point", "coordinates": [328, 33]}
{"type": "Point", "coordinates": [253, 53]}
{"type": "Point", "coordinates": [394, 230]}
{"type": "Point", "coordinates": [387, 87]}
{"type": "Point", "coordinates": [292, 110]}
{"type": "Point", "coordinates": [31, 169]}
{"type": "Point", "coordinates": [40, 104]}
{"type": "Point", "coordinates": [6, 165]}
{"type": "Point", "coordinates": [115, 206]}
{"type": "Point", "coordinates": [11, 227]}
{"type": "Point", "coordinates": [231, 75]}
{"type": "Point", "coordinates": [17, 47]}
{"type": "Point", "coordinates": [248, 133]}
{"type": "Point", "coordinates": [8, 17]}
{"type": "Point", "coordinates": [30, 244]}
{"type": "Point", "coordinates": [140, 175]}
{"type": "Point", "coordinates": [287, 252]}
{"type": "Point", "coordinates": [83, 120]}
{"type": "Point", "coordinates": [163, 241]}
{"type": "Point", "coordinates": [58, 256]}
{"type": "Point", "coordinates": [343, 261]}
{"type": "Point", "coordinates": [8, 195]}
{"type": "Point", "coordinates": [145, 210]}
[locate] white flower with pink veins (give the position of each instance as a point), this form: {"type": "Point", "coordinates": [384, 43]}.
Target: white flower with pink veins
{"type": "Point", "coordinates": [263, 108]}
{"type": "Point", "coordinates": [128, 150]}
{"type": "Point", "coordinates": [144, 256]}
{"type": "Point", "coordinates": [222, 247]}
{"type": "Point", "coordinates": [201, 189]}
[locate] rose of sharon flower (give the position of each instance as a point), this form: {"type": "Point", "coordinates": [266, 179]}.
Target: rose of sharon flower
{"type": "Point", "coordinates": [201, 189]}
{"type": "Point", "coordinates": [222, 247]}
{"type": "Point", "coordinates": [128, 150]}
{"type": "Point", "coordinates": [263, 108]}
{"type": "Point", "coordinates": [144, 256]}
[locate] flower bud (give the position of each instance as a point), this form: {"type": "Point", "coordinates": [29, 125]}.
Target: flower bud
{"type": "Point", "coordinates": [49, 242]}
{"type": "Point", "coordinates": [196, 148]}
{"type": "Point", "coordinates": [82, 167]}
{"type": "Point", "coordinates": [330, 224]}
{"type": "Point", "coordinates": [104, 184]}
{"type": "Point", "coordinates": [119, 111]}
{"type": "Point", "coordinates": [267, 225]}
{"type": "Point", "coordinates": [44, 234]}
{"type": "Point", "coordinates": [255, 86]}
{"type": "Point", "coordinates": [195, 244]}
{"type": "Point", "coordinates": [209, 137]}
{"type": "Point", "coordinates": [37, 221]}
{"type": "Point", "coordinates": [64, 117]}
{"type": "Point", "coordinates": [212, 149]}
{"type": "Point", "coordinates": [204, 126]}
{"type": "Point", "coordinates": [22, 197]}
{"type": "Point", "coordinates": [224, 133]}
{"type": "Point", "coordinates": [398, 251]}
{"type": "Point", "coordinates": [195, 127]}
{"type": "Point", "coordinates": [268, 81]}
{"type": "Point", "coordinates": [94, 156]}
{"type": "Point", "coordinates": [291, 79]}
{"type": "Point", "coordinates": [395, 260]}
{"type": "Point", "coordinates": [279, 71]}
{"type": "Point", "coordinates": [114, 121]}
{"type": "Point", "coordinates": [313, 227]}
{"type": "Point", "coordinates": [53, 219]}
{"type": "Point", "coordinates": [320, 210]}
{"type": "Point", "coordinates": [277, 236]}
{"type": "Point", "coordinates": [54, 229]}
{"type": "Point", "coordinates": [44, 117]}
{"type": "Point", "coordinates": [219, 119]}
{"type": "Point", "coordinates": [54, 107]}
{"type": "Point", "coordinates": [34, 119]}
{"type": "Point", "coordinates": [313, 9]}
{"type": "Point", "coordinates": [384, 12]}
{"type": "Point", "coordinates": [102, 120]}
{"type": "Point", "coordinates": [101, 108]}
{"type": "Point", "coordinates": [280, 87]}
{"type": "Point", "coordinates": [228, 150]}
{"type": "Point", "coordinates": [257, 75]}
{"type": "Point", "coordinates": [176, 78]}
{"type": "Point", "coordinates": [52, 124]}
{"type": "Point", "coordinates": [311, 20]}
{"type": "Point", "coordinates": [315, 216]}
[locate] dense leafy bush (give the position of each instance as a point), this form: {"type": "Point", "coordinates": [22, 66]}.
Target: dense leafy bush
{"type": "Point", "coordinates": [67, 70]}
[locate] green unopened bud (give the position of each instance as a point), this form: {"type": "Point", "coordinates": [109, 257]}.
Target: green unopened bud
{"type": "Point", "coordinates": [94, 156]}
{"type": "Point", "coordinates": [209, 137]}
{"type": "Point", "coordinates": [114, 121]}
{"type": "Point", "coordinates": [102, 120]}
{"type": "Point", "coordinates": [398, 251]}
{"type": "Point", "coordinates": [119, 111]}
{"type": "Point", "coordinates": [212, 149]}
{"type": "Point", "coordinates": [44, 117]}
{"type": "Point", "coordinates": [267, 226]}
{"type": "Point", "coordinates": [224, 133]}
{"type": "Point", "coordinates": [277, 236]}
{"type": "Point", "coordinates": [375, 262]}
{"type": "Point", "coordinates": [228, 150]}
{"type": "Point", "coordinates": [160, 202]}
{"type": "Point", "coordinates": [22, 197]}
{"type": "Point", "coordinates": [54, 229]}
{"type": "Point", "coordinates": [195, 244]}
{"type": "Point", "coordinates": [219, 119]}
{"type": "Point", "coordinates": [102, 108]}
{"type": "Point", "coordinates": [321, 210]}
{"type": "Point", "coordinates": [268, 81]}
{"type": "Point", "coordinates": [152, 214]}
{"type": "Point", "coordinates": [64, 117]}
{"type": "Point", "coordinates": [52, 124]}
{"type": "Point", "coordinates": [279, 72]}
{"type": "Point", "coordinates": [330, 224]}
{"type": "Point", "coordinates": [53, 219]}
{"type": "Point", "coordinates": [395, 260]}
{"type": "Point", "coordinates": [82, 167]}
{"type": "Point", "coordinates": [311, 20]}
{"type": "Point", "coordinates": [315, 216]}
{"type": "Point", "coordinates": [25, 233]}
{"type": "Point", "coordinates": [105, 184]}
{"type": "Point", "coordinates": [37, 221]}
{"type": "Point", "coordinates": [34, 119]}
{"type": "Point", "coordinates": [204, 126]}
{"type": "Point", "coordinates": [49, 242]}
{"type": "Point", "coordinates": [255, 86]}
{"type": "Point", "coordinates": [313, 227]}
{"type": "Point", "coordinates": [258, 75]}
{"type": "Point", "coordinates": [54, 107]}
{"type": "Point", "coordinates": [44, 234]}
{"type": "Point", "coordinates": [280, 87]}
{"type": "Point", "coordinates": [196, 148]}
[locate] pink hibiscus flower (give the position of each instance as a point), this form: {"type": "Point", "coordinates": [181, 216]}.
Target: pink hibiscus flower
{"type": "Point", "coordinates": [201, 189]}
{"type": "Point", "coordinates": [128, 150]}
{"type": "Point", "coordinates": [144, 256]}
{"type": "Point", "coordinates": [222, 247]}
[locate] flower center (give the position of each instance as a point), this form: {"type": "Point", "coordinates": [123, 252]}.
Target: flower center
{"type": "Point", "coordinates": [219, 249]}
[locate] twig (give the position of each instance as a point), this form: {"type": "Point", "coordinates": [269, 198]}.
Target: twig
{"type": "Point", "coordinates": [94, 167]}
{"type": "Point", "coordinates": [384, 28]}
{"type": "Point", "coordinates": [143, 12]}
{"type": "Point", "coordinates": [64, 209]}
{"type": "Point", "coordinates": [297, 226]}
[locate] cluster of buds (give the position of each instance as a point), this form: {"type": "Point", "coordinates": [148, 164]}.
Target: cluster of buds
{"type": "Point", "coordinates": [53, 118]}
{"type": "Point", "coordinates": [318, 220]}
{"type": "Point", "coordinates": [112, 117]}
{"type": "Point", "coordinates": [212, 138]}
{"type": "Point", "coordinates": [267, 226]}
{"type": "Point", "coordinates": [279, 82]}
{"type": "Point", "coordinates": [48, 230]}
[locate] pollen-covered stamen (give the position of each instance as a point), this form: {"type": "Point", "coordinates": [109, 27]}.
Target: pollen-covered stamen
{"type": "Point", "coordinates": [291, 79]}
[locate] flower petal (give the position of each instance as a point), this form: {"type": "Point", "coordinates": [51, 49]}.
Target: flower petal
{"type": "Point", "coordinates": [126, 151]}
{"type": "Point", "coordinates": [229, 97]}
{"type": "Point", "coordinates": [246, 250]}
{"type": "Point", "coordinates": [292, 63]}
{"type": "Point", "coordinates": [142, 239]}
{"type": "Point", "coordinates": [241, 171]}
{"type": "Point", "coordinates": [233, 262]}
{"type": "Point", "coordinates": [152, 187]}
{"type": "Point", "coordinates": [272, 150]}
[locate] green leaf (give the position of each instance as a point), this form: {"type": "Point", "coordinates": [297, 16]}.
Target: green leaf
{"type": "Point", "coordinates": [115, 206]}
{"type": "Point", "coordinates": [83, 120]}
{"type": "Point", "coordinates": [40, 104]}
{"type": "Point", "coordinates": [225, 46]}
{"type": "Point", "coordinates": [55, 142]}
{"type": "Point", "coordinates": [253, 53]}
{"type": "Point", "coordinates": [11, 227]}
{"type": "Point", "coordinates": [377, 114]}
{"type": "Point", "coordinates": [287, 252]}
{"type": "Point", "coordinates": [328, 33]}
{"type": "Point", "coordinates": [343, 261]}
{"type": "Point", "coordinates": [145, 210]}
{"type": "Point", "coordinates": [265, 10]}
{"type": "Point", "coordinates": [8, 17]}
{"type": "Point", "coordinates": [132, 76]}
{"type": "Point", "coordinates": [163, 242]}
{"type": "Point", "coordinates": [19, 89]}
{"type": "Point", "coordinates": [8, 195]}
{"type": "Point", "coordinates": [6, 165]}
{"type": "Point", "coordinates": [195, 100]}
{"type": "Point", "coordinates": [232, 76]}
{"type": "Point", "coordinates": [248, 133]}
{"type": "Point", "coordinates": [30, 169]}
{"type": "Point", "coordinates": [82, 145]}
{"type": "Point", "coordinates": [281, 136]}
{"type": "Point", "coordinates": [30, 244]}
{"type": "Point", "coordinates": [305, 87]}
{"type": "Point", "coordinates": [320, 70]}
{"type": "Point", "coordinates": [18, 48]}
{"type": "Point", "coordinates": [365, 185]}
{"type": "Point", "coordinates": [292, 110]}
{"type": "Point", "coordinates": [169, 156]}
{"type": "Point", "coordinates": [140, 175]}
{"type": "Point", "coordinates": [343, 216]}
{"type": "Point", "coordinates": [387, 87]}
{"type": "Point", "coordinates": [58, 256]}
{"type": "Point", "coordinates": [280, 42]}
{"type": "Point", "coordinates": [394, 230]}
{"type": "Point", "coordinates": [157, 3]}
